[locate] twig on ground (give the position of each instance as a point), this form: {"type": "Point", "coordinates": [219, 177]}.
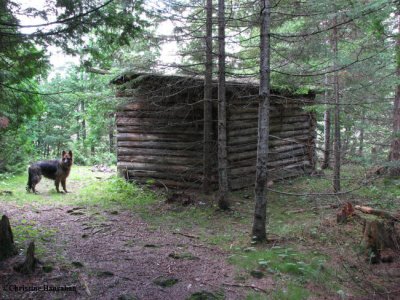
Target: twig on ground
{"type": "Point", "coordinates": [187, 235]}
{"type": "Point", "coordinates": [246, 285]}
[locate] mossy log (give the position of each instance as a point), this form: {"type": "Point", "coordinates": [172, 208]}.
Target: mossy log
{"type": "Point", "coordinates": [7, 246]}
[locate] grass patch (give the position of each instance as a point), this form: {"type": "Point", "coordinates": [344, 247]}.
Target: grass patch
{"type": "Point", "coordinates": [306, 266]}
{"type": "Point", "coordinates": [116, 191]}
{"type": "Point", "coordinates": [27, 231]}
{"type": "Point", "coordinates": [86, 187]}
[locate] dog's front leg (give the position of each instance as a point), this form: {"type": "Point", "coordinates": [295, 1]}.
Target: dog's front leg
{"type": "Point", "coordinates": [64, 185]}
{"type": "Point", "coordinates": [57, 182]}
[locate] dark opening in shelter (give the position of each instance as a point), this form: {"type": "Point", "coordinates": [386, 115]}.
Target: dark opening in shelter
{"type": "Point", "coordinates": [160, 131]}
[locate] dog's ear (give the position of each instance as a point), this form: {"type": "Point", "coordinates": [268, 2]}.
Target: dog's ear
{"type": "Point", "coordinates": [70, 153]}
{"type": "Point", "coordinates": [63, 153]}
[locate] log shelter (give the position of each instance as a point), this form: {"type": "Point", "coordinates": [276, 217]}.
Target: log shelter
{"type": "Point", "coordinates": [160, 131]}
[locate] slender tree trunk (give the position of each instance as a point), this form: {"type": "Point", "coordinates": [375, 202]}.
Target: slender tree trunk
{"type": "Point", "coordinates": [223, 201]}
{"type": "Point", "coordinates": [346, 144]}
{"type": "Point", "coordinates": [78, 133]}
{"type": "Point", "coordinates": [111, 133]}
{"type": "Point", "coordinates": [208, 126]}
{"type": "Point", "coordinates": [327, 128]}
{"type": "Point", "coordinates": [337, 142]}
{"type": "Point", "coordinates": [83, 120]}
{"type": "Point", "coordinates": [361, 138]}
{"type": "Point", "coordinates": [394, 155]}
{"type": "Point", "coordinates": [260, 193]}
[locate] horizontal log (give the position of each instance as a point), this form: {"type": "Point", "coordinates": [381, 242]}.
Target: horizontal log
{"type": "Point", "coordinates": [272, 128]}
{"type": "Point", "coordinates": [164, 175]}
{"type": "Point", "coordinates": [294, 170]}
{"type": "Point", "coordinates": [292, 133]}
{"type": "Point", "coordinates": [274, 142]}
{"type": "Point", "coordinates": [162, 160]}
{"type": "Point", "coordinates": [275, 156]}
{"type": "Point", "coordinates": [274, 153]}
{"type": "Point", "coordinates": [163, 112]}
{"type": "Point", "coordinates": [122, 166]}
{"type": "Point", "coordinates": [169, 183]}
{"type": "Point", "coordinates": [242, 171]}
{"type": "Point", "coordinates": [160, 130]}
{"type": "Point", "coordinates": [276, 102]}
{"type": "Point", "coordinates": [299, 140]}
{"type": "Point", "coordinates": [274, 135]}
{"type": "Point", "coordinates": [247, 166]}
{"type": "Point", "coordinates": [234, 116]}
{"type": "Point", "coordinates": [128, 151]}
{"type": "Point", "coordinates": [125, 121]}
{"type": "Point", "coordinates": [173, 145]}
{"type": "Point", "coordinates": [156, 137]}
{"type": "Point", "coordinates": [241, 155]}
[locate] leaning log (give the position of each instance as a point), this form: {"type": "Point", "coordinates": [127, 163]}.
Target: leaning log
{"type": "Point", "coordinates": [7, 246]}
{"type": "Point", "coordinates": [377, 212]}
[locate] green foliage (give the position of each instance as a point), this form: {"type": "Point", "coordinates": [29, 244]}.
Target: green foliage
{"type": "Point", "coordinates": [16, 151]}
{"type": "Point", "coordinates": [117, 191]}
{"type": "Point", "coordinates": [277, 260]}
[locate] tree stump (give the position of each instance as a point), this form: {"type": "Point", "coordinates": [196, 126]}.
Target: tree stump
{"type": "Point", "coordinates": [345, 214]}
{"type": "Point", "coordinates": [29, 265]}
{"type": "Point", "coordinates": [7, 247]}
{"type": "Point", "coordinates": [377, 236]}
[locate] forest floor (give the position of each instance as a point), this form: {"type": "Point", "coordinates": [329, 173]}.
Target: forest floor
{"type": "Point", "coordinates": [111, 240]}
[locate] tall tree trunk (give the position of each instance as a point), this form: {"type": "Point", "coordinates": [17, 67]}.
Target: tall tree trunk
{"type": "Point", "coordinates": [327, 128]}
{"type": "Point", "coordinates": [394, 155]}
{"type": "Point", "coordinates": [260, 194]}
{"type": "Point", "coordinates": [223, 201]}
{"type": "Point", "coordinates": [337, 142]}
{"type": "Point", "coordinates": [208, 126]}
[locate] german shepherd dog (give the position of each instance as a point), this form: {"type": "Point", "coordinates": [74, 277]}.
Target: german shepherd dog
{"type": "Point", "coordinates": [57, 170]}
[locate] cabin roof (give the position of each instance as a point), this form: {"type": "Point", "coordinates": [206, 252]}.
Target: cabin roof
{"type": "Point", "coordinates": [132, 79]}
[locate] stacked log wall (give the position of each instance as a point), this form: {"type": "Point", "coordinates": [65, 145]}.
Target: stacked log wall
{"type": "Point", "coordinates": [160, 134]}
{"type": "Point", "coordinates": [291, 145]}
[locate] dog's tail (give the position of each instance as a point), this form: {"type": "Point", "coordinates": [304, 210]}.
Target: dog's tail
{"type": "Point", "coordinates": [29, 185]}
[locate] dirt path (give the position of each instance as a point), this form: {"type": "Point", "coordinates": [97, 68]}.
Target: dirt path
{"type": "Point", "coordinates": [99, 254]}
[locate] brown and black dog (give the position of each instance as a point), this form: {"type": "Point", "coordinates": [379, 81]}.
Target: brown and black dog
{"type": "Point", "coordinates": [57, 170]}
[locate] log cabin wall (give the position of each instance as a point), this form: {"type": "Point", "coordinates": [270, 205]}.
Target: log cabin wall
{"type": "Point", "coordinates": [160, 131]}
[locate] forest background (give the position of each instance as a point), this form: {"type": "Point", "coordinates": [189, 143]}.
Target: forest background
{"type": "Point", "coordinates": [313, 45]}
